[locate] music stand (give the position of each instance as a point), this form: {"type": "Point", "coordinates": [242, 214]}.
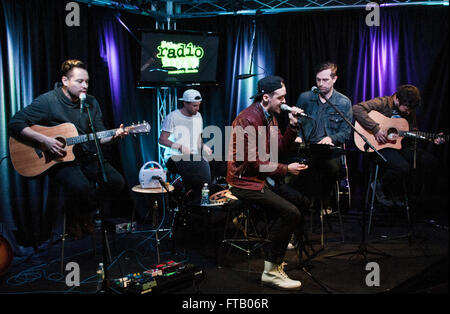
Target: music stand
{"type": "Point", "coordinates": [363, 246]}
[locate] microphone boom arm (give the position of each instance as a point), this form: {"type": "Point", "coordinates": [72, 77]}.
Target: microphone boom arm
{"type": "Point", "coordinates": [316, 91]}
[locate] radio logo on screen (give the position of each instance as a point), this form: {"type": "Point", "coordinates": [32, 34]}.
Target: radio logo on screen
{"type": "Point", "coordinates": [184, 57]}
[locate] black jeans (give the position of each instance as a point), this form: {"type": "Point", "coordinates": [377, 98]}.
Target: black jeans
{"type": "Point", "coordinates": [298, 199]}
{"type": "Point", "coordinates": [194, 175]}
{"type": "Point", "coordinates": [287, 219]}
{"type": "Point", "coordinates": [430, 173]}
{"type": "Point", "coordinates": [78, 181]}
{"type": "Point", "coordinates": [318, 180]}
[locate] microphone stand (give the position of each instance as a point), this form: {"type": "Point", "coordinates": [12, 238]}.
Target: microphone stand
{"type": "Point", "coordinates": [351, 125]}
{"type": "Point", "coordinates": [105, 246]}
{"type": "Point", "coordinates": [363, 247]}
{"type": "Point", "coordinates": [249, 75]}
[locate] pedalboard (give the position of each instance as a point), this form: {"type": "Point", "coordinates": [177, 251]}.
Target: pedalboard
{"type": "Point", "coordinates": [159, 278]}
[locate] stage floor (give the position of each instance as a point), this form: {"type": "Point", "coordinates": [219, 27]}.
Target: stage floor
{"type": "Point", "coordinates": [416, 266]}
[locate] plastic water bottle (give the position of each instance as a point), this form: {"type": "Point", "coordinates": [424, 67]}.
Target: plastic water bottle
{"type": "Point", "coordinates": [205, 195]}
{"type": "Point", "coordinates": [100, 276]}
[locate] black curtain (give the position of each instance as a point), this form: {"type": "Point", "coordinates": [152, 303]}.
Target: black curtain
{"type": "Point", "coordinates": [35, 42]}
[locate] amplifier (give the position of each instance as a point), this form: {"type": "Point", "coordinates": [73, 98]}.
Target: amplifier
{"type": "Point", "coordinates": [148, 174]}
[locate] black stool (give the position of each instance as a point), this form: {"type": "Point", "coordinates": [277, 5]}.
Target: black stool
{"type": "Point", "coordinates": [323, 215]}
{"type": "Point", "coordinates": [54, 193]}
{"type": "Point", "coordinates": [246, 236]}
{"type": "Point", "coordinates": [371, 191]}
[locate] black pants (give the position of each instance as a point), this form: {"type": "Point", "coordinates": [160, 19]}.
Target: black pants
{"type": "Point", "coordinates": [287, 219]}
{"type": "Point", "coordinates": [78, 181]}
{"type": "Point", "coordinates": [194, 175]}
{"type": "Point", "coordinates": [429, 176]}
{"type": "Point", "coordinates": [318, 180]}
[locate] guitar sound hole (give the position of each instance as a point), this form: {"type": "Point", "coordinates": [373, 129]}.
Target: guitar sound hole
{"type": "Point", "coordinates": [392, 134]}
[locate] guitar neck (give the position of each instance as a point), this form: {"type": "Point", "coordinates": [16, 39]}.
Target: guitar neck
{"type": "Point", "coordinates": [90, 137]}
{"type": "Point", "coordinates": [425, 135]}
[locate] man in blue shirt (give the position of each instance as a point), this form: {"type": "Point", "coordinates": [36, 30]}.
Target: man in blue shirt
{"type": "Point", "coordinates": [326, 127]}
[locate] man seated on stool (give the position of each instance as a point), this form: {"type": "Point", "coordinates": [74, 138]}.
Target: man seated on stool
{"type": "Point", "coordinates": [247, 172]}
{"type": "Point", "coordinates": [399, 165]}
{"type": "Point", "coordinates": [181, 134]}
{"type": "Point", "coordinates": [326, 128]}
{"type": "Point", "coordinates": [60, 105]}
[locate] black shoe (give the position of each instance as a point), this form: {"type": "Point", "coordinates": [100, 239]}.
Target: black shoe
{"type": "Point", "coordinates": [74, 230]}
{"type": "Point", "coordinates": [381, 197]}
{"type": "Point", "coordinates": [86, 224]}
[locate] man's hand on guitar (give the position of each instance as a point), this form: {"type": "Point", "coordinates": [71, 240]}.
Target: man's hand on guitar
{"type": "Point", "coordinates": [381, 137]}
{"type": "Point", "coordinates": [54, 146]}
{"type": "Point", "coordinates": [120, 133]}
{"type": "Point", "coordinates": [439, 139]}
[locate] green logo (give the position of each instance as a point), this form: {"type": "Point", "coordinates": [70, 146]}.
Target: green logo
{"type": "Point", "coordinates": [184, 57]}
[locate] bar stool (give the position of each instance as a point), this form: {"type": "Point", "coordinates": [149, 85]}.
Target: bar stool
{"type": "Point", "coordinates": [54, 194]}
{"type": "Point", "coordinates": [336, 193]}
{"type": "Point", "coordinates": [246, 237]}
{"type": "Point", "coordinates": [161, 191]}
{"type": "Point", "coordinates": [371, 192]}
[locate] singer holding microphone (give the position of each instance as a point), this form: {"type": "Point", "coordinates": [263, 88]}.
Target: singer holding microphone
{"type": "Point", "coordinates": [66, 103]}
{"type": "Point", "coordinates": [247, 172]}
{"type": "Point", "coordinates": [322, 125]}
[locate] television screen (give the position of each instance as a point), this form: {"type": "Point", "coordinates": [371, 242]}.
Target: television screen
{"type": "Point", "coordinates": [178, 58]}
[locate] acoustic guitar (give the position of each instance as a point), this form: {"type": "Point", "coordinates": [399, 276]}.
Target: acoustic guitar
{"type": "Point", "coordinates": [29, 160]}
{"type": "Point", "coordinates": [396, 128]}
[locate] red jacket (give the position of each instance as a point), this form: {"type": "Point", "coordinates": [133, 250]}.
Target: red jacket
{"type": "Point", "coordinates": [245, 173]}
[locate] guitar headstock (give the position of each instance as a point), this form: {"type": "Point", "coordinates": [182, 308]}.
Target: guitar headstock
{"type": "Point", "coordinates": [143, 127]}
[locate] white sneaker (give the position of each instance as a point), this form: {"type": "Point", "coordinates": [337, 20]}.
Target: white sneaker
{"type": "Point", "coordinates": [291, 246]}
{"type": "Point", "coordinates": [275, 276]}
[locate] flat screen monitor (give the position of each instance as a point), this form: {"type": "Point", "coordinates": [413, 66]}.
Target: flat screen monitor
{"type": "Point", "coordinates": [178, 58]}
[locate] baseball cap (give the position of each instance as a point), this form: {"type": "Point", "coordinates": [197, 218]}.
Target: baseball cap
{"type": "Point", "coordinates": [268, 84]}
{"type": "Point", "coordinates": [191, 95]}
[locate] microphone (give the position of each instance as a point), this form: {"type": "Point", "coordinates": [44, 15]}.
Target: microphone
{"type": "Point", "coordinates": [82, 100]}
{"type": "Point", "coordinates": [315, 90]}
{"type": "Point", "coordinates": [246, 76]}
{"type": "Point", "coordinates": [414, 135]}
{"type": "Point", "coordinates": [285, 107]}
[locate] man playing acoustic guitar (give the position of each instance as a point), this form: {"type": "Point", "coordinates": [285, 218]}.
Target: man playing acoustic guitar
{"type": "Point", "coordinates": [402, 104]}
{"type": "Point", "coordinates": [61, 105]}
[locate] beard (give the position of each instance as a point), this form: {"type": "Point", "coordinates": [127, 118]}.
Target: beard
{"type": "Point", "coordinates": [73, 96]}
{"type": "Point", "coordinates": [326, 90]}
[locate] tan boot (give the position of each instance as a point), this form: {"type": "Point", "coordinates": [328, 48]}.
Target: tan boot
{"type": "Point", "coordinates": [275, 276]}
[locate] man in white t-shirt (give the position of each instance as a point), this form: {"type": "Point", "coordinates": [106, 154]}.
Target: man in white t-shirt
{"type": "Point", "coordinates": [181, 134]}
